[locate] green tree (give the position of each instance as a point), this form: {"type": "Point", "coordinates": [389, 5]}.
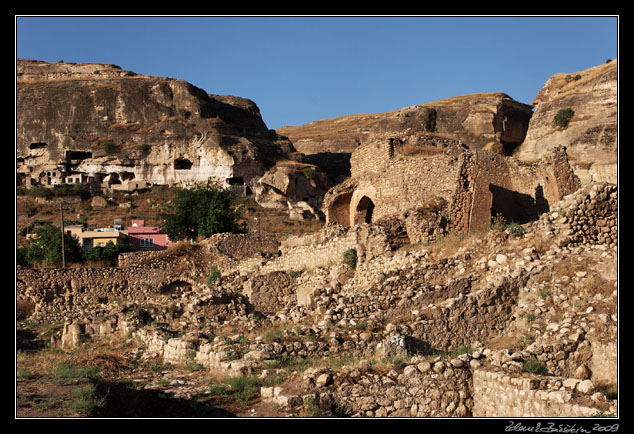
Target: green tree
{"type": "Point", "coordinates": [202, 210]}
{"type": "Point", "coordinates": [45, 247]}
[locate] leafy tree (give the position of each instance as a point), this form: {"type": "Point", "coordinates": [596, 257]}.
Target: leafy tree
{"type": "Point", "coordinates": [45, 247]}
{"type": "Point", "coordinates": [202, 211]}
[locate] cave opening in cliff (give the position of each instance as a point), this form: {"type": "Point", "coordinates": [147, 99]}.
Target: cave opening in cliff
{"type": "Point", "coordinates": [236, 180]}
{"type": "Point", "coordinates": [75, 156]}
{"type": "Point", "coordinates": [365, 208]}
{"type": "Point", "coordinates": [38, 145]}
{"type": "Point", "coordinates": [182, 164]}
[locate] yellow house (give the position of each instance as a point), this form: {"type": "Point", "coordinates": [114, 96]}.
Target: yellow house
{"type": "Point", "coordinates": [96, 238]}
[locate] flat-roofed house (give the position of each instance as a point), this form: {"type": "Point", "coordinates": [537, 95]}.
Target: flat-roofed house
{"type": "Point", "coordinates": [147, 237]}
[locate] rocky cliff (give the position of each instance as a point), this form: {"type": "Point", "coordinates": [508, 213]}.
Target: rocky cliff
{"type": "Point", "coordinates": [590, 135]}
{"type": "Point", "coordinates": [118, 128]}
{"type": "Point", "coordinates": [477, 120]}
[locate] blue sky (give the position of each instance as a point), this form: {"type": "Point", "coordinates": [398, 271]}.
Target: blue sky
{"type": "Point", "coordinates": [301, 69]}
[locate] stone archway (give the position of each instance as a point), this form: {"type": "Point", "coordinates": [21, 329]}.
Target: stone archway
{"type": "Point", "coordinates": [364, 211]}
{"type": "Point", "coordinates": [339, 211]}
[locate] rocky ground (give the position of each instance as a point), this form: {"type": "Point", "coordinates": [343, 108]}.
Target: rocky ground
{"type": "Point", "coordinates": [397, 334]}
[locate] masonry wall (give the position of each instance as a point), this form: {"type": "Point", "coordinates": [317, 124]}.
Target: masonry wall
{"type": "Point", "coordinates": [497, 394]}
{"type": "Point", "coordinates": [477, 185]}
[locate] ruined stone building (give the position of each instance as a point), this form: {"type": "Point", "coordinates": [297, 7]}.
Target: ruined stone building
{"type": "Point", "coordinates": [394, 175]}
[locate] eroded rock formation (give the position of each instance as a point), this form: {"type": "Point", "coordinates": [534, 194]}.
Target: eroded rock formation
{"type": "Point", "coordinates": [478, 120]}
{"type": "Point", "coordinates": [101, 124]}
{"type": "Point", "coordinates": [591, 134]}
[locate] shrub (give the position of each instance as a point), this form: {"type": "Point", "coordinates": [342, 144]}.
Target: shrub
{"type": "Point", "coordinates": [214, 275]}
{"type": "Point", "coordinates": [110, 148]}
{"type": "Point", "coordinates": [516, 230]}
{"type": "Point", "coordinates": [533, 366]}
{"type": "Point", "coordinates": [350, 258]}
{"type": "Point", "coordinates": [563, 116]}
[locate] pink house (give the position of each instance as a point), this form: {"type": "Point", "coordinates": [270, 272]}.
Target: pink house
{"type": "Point", "coordinates": [147, 237]}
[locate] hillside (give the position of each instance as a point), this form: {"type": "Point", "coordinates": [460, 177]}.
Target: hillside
{"type": "Point", "coordinates": [450, 279]}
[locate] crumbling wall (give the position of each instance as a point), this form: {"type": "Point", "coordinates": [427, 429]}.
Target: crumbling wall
{"type": "Point", "coordinates": [477, 185]}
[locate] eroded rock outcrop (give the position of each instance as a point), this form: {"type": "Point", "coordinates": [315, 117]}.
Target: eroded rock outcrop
{"type": "Point", "coordinates": [117, 129]}
{"type": "Point", "coordinates": [590, 135]}
{"type": "Point", "coordinates": [476, 119]}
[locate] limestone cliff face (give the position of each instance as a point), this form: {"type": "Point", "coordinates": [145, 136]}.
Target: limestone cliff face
{"type": "Point", "coordinates": [476, 119]}
{"type": "Point", "coordinates": [117, 127]}
{"type": "Point", "coordinates": [591, 133]}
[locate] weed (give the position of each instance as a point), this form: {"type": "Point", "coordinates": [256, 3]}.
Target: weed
{"type": "Point", "coordinates": [86, 400]}
{"type": "Point", "coordinates": [158, 366]}
{"type": "Point", "coordinates": [462, 349]}
{"type": "Point", "coordinates": [214, 275]}
{"type": "Point", "coordinates": [68, 371]}
{"type": "Point", "coordinates": [350, 258]}
{"type": "Point", "coordinates": [339, 362]}
{"type": "Point", "coordinates": [273, 380]}
{"type": "Point", "coordinates": [362, 325]}
{"type": "Point", "coordinates": [47, 404]}
{"type": "Point", "coordinates": [311, 407]}
{"type": "Point", "coordinates": [217, 389]}
{"type": "Point", "coordinates": [533, 366]}
{"type": "Point", "coordinates": [243, 388]}
{"type": "Point", "coordinates": [525, 340]}
{"type": "Point", "coordinates": [193, 366]}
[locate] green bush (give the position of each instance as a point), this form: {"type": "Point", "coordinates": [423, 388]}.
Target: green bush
{"type": "Point", "coordinates": [563, 116]}
{"type": "Point", "coordinates": [533, 366]}
{"type": "Point", "coordinates": [350, 258]}
{"type": "Point", "coordinates": [110, 148]}
{"type": "Point", "coordinates": [214, 275]}
{"type": "Point", "coordinates": [202, 211]}
{"type": "Point", "coordinates": [243, 388]}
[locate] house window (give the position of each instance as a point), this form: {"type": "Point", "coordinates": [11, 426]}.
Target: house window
{"type": "Point", "coordinates": [147, 242]}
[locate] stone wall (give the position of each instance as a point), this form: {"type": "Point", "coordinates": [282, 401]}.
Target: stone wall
{"type": "Point", "coordinates": [497, 394]}
{"type": "Point", "coordinates": [323, 249]}
{"type": "Point", "coordinates": [441, 389]}
{"type": "Point", "coordinates": [56, 293]}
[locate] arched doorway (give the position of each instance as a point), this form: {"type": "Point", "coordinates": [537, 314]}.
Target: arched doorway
{"type": "Point", "coordinates": [339, 211]}
{"type": "Point", "coordinates": [364, 210]}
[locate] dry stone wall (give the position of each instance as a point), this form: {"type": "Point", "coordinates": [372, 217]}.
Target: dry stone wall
{"type": "Point", "coordinates": [497, 394]}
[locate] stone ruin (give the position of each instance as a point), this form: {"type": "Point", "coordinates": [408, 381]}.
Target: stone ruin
{"type": "Point", "coordinates": [418, 177]}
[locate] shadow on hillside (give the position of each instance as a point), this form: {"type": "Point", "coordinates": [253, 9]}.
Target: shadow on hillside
{"type": "Point", "coordinates": [123, 400]}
